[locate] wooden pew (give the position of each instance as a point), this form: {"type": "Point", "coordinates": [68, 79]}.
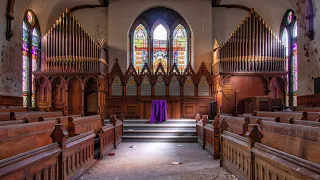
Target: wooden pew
{"type": "Point", "coordinates": [20, 138]}
{"type": "Point", "coordinates": [283, 137]}
{"type": "Point", "coordinates": [256, 119]}
{"type": "Point", "coordinates": [237, 125]}
{"type": "Point", "coordinates": [283, 115]}
{"type": "Point", "coordinates": [4, 116]}
{"type": "Point", "coordinates": [304, 123]}
{"type": "Point", "coordinates": [13, 109]}
{"type": "Point", "coordinates": [40, 163]}
{"type": "Point", "coordinates": [107, 139]}
{"type": "Point", "coordinates": [200, 129]}
{"type": "Point", "coordinates": [34, 116]}
{"type": "Point", "coordinates": [253, 119]}
{"type": "Point", "coordinates": [248, 158]}
{"type": "Point", "coordinates": [5, 123]}
{"type": "Point", "coordinates": [306, 109]}
{"type": "Point", "coordinates": [77, 152]}
{"type": "Point", "coordinates": [79, 125]}
{"type": "Point", "coordinates": [212, 138]}
{"type": "Point", "coordinates": [118, 129]}
{"type": "Point", "coordinates": [60, 119]}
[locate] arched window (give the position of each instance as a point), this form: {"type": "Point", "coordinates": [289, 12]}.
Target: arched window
{"type": "Point", "coordinates": [180, 47]}
{"type": "Point", "coordinates": [160, 47]}
{"type": "Point", "coordinates": [30, 57]}
{"type": "Point", "coordinates": [164, 37]}
{"type": "Point", "coordinates": [140, 47]}
{"type": "Point", "coordinates": [289, 35]}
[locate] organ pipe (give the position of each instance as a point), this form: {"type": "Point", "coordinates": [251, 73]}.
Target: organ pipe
{"type": "Point", "coordinates": [70, 48]}
{"type": "Point", "coordinates": [252, 47]}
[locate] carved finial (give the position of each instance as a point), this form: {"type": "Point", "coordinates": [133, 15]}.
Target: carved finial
{"type": "Point", "coordinates": [255, 135]}
{"type": "Point", "coordinates": [205, 119]}
{"type": "Point", "coordinates": [198, 117]}
{"type": "Point", "coordinates": [254, 113]}
{"type": "Point", "coordinates": [59, 135]}
{"type": "Point", "coordinates": [216, 122]}
{"type": "Point", "coordinates": [223, 125]}
{"type": "Point", "coordinates": [259, 120]}
{"type": "Point", "coordinates": [113, 119]}
{"type": "Point", "coordinates": [277, 119]}
{"type": "Point", "coordinates": [291, 121]}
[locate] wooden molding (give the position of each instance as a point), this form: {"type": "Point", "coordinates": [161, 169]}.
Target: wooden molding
{"type": "Point", "coordinates": [11, 101]}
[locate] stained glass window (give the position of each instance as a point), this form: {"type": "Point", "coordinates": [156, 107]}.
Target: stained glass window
{"type": "Point", "coordinates": [295, 30]}
{"type": "Point", "coordinates": [140, 47]}
{"type": "Point", "coordinates": [160, 47]}
{"type": "Point", "coordinates": [289, 38]}
{"type": "Point", "coordinates": [25, 64]}
{"type": "Point", "coordinates": [295, 72]}
{"type": "Point", "coordinates": [289, 17]}
{"type": "Point", "coordinates": [180, 47]}
{"type": "Point", "coordinates": [30, 53]}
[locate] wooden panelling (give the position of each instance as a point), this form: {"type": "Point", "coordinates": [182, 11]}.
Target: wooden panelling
{"type": "Point", "coordinates": [11, 101]}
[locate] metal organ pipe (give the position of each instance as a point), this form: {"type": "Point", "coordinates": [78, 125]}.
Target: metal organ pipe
{"type": "Point", "coordinates": [251, 47]}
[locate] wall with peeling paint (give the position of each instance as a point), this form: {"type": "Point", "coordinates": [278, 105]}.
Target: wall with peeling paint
{"type": "Point", "coordinates": [308, 51]}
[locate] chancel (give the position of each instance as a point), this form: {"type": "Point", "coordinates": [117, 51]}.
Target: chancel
{"type": "Point", "coordinates": [159, 89]}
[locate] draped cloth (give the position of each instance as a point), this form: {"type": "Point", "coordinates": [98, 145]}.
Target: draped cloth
{"type": "Point", "coordinates": [159, 111]}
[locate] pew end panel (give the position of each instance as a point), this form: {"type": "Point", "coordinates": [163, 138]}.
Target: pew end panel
{"type": "Point", "coordinates": [236, 156]}
{"type": "Point", "coordinates": [107, 137]}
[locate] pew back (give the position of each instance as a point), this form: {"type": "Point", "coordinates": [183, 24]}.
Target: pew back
{"type": "Point", "coordinates": [13, 109]}
{"type": "Point", "coordinates": [253, 119]}
{"type": "Point", "coordinates": [283, 137]}
{"type": "Point", "coordinates": [60, 119]}
{"type": "Point", "coordinates": [79, 125]}
{"type": "Point", "coordinates": [283, 115]}
{"type": "Point", "coordinates": [19, 138]}
{"type": "Point", "coordinates": [237, 125]}
{"type": "Point", "coordinates": [34, 116]}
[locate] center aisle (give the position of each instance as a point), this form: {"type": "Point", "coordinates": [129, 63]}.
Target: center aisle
{"type": "Point", "coordinates": [152, 161]}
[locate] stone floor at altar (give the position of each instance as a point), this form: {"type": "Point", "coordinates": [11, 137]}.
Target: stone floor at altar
{"type": "Point", "coordinates": [152, 161]}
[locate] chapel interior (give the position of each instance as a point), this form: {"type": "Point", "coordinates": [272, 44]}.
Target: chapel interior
{"type": "Point", "coordinates": [160, 89]}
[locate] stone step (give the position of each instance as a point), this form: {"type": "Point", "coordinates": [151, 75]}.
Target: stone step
{"type": "Point", "coordinates": [161, 132]}
{"type": "Point", "coordinates": [171, 121]}
{"type": "Point", "coordinates": [190, 139]}
{"type": "Point", "coordinates": [159, 125]}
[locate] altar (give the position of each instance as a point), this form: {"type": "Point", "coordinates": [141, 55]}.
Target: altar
{"type": "Point", "coordinates": [159, 111]}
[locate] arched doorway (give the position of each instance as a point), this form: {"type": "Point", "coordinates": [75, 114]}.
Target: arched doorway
{"type": "Point", "coordinates": [74, 96]}
{"type": "Point", "coordinates": [91, 98]}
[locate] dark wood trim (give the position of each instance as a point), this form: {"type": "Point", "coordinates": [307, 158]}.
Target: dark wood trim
{"type": "Point", "coordinates": [233, 6]}
{"type": "Point", "coordinates": [216, 2]}
{"type": "Point", "coordinates": [85, 7]}
{"type": "Point", "coordinates": [10, 101]}
{"type": "Point", "coordinates": [253, 73]}
{"type": "Point", "coordinates": [9, 17]}
{"type": "Point", "coordinates": [105, 3]}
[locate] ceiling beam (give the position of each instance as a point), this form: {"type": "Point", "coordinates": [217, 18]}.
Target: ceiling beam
{"type": "Point", "coordinates": [216, 2]}
{"type": "Point", "coordinates": [104, 3]}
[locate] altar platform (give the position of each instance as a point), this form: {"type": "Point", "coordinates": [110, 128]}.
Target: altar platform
{"type": "Point", "coordinates": [172, 130]}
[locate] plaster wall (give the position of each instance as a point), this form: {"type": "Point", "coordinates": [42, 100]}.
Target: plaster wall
{"type": "Point", "coordinates": [96, 25]}
{"type": "Point", "coordinates": [308, 50]}
{"type": "Point", "coordinates": [122, 14]}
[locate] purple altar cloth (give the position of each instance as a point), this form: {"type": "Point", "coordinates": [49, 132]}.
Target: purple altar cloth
{"type": "Point", "coordinates": [159, 111]}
